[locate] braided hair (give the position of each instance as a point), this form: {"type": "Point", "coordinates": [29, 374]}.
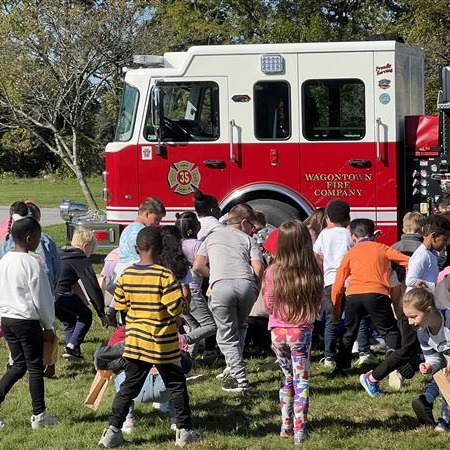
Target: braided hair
{"type": "Point", "coordinates": [17, 210]}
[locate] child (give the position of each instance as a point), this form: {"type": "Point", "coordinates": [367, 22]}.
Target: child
{"type": "Point", "coordinates": [173, 258]}
{"type": "Point", "coordinates": [18, 210]}
{"type": "Point", "coordinates": [109, 357]}
{"type": "Point", "coordinates": [423, 266]}
{"type": "Point", "coordinates": [47, 251]}
{"type": "Point", "coordinates": [331, 245]}
{"type": "Point", "coordinates": [151, 211]}
{"type": "Point", "coordinates": [70, 309]}
{"type": "Point", "coordinates": [434, 336]}
{"type": "Point", "coordinates": [293, 292]}
{"type": "Point", "coordinates": [235, 270]}
{"type": "Point", "coordinates": [368, 266]}
{"type": "Point", "coordinates": [26, 307]}
{"type": "Point", "coordinates": [199, 319]}
{"type": "Point", "coordinates": [424, 270]}
{"type": "Point", "coordinates": [316, 222]}
{"type": "Point", "coordinates": [208, 212]}
{"type": "Point", "coordinates": [151, 337]}
{"type": "Point", "coordinates": [410, 241]}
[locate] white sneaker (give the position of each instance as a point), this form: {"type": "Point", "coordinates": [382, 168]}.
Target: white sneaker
{"type": "Point", "coordinates": [328, 362]}
{"type": "Point", "coordinates": [226, 373]}
{"type": "Point", "coordinates": [43, 420]}
{"type": "Point", "coordinates": [128, 425]}
{"type": "Point", "coordinates": [2, 423]}
{"type": "Point", "coordinates": [366, 359]}
{"type": "Point", "coordinates": [395, 380]}
{"type": "Point", "coordinates": [185, 437]}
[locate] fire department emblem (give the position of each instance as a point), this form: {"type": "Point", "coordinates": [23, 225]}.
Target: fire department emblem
{"type": "Point", "coordinates": [183, 177]}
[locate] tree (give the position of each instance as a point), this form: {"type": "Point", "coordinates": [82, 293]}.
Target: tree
{"type": "Point", "coordinates": [58, 60]}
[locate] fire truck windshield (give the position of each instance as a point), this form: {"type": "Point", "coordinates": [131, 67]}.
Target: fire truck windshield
{"type": "Point", "coordinates": [127, 113]}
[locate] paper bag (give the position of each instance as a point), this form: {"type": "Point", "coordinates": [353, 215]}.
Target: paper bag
{"type": "Point", "coordinates": [50, 354]}
{"type": "Point", "coordinates": [98, 389]}
{"type": "Point", "coordinates": [442, 378]}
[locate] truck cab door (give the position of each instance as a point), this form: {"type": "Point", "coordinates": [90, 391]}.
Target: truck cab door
{"type": "Point", "coordinates": [188, 147]}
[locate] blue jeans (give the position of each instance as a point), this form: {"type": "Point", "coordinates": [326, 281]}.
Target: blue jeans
{"type": "Point", "coordinates": [75, 317]}
{"type": "Point", "coordinates": [431, 394]}
{"type": "Point", "coordinates": [333, 332]}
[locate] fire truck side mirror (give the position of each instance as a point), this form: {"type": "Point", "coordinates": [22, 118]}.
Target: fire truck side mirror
{"type": "Point", "coordinates": [157, 107]}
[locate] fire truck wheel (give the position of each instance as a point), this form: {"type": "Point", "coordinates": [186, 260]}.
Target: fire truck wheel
{"type": "Point", "coordinates": [276, 212]}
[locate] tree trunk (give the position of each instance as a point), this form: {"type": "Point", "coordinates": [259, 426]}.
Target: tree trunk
{"type": "Point", "coordinates": [85, 188]}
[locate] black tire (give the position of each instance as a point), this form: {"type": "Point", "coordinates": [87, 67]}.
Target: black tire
{"type": "Point", "coordinates": [276, 212]}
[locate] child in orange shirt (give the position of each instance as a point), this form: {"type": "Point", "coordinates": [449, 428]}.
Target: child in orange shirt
{"type": "Point", "coordinates": [368, 266]}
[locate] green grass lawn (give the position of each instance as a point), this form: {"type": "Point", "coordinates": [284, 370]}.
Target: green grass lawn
{"type": "Point", "coordinates": [47, 192]}
{"type": "Point", "coordinates": [341, 413]}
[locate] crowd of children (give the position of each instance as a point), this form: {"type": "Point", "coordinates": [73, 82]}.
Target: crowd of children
{"type": "Point", "coordinates": [188, 291]}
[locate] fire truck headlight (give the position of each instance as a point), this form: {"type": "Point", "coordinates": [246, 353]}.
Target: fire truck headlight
{"type": "Point", "coordinates": [272, 64]}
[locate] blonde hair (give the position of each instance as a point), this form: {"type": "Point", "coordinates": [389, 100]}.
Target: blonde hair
{"type": "Point", "coordinates": [421, 298]}
{"type": "Point", "coordinates": [412, 222]}
{"type": "Point", "coordinates": [83, 236]}
{"type": "Point", "coordinates": [297, 278]}
{"type": "Point", "coordinates": [152, 205]}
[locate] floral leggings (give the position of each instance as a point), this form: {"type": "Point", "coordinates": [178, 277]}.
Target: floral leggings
{"type": "Point", "coordinates": [292, 348]}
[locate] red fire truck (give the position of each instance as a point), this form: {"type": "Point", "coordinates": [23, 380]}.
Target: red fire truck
{"type": "Point", "coordinates": [283, 127]}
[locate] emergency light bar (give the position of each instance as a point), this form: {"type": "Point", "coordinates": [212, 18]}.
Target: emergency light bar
{"type": "Point", "coordinates": [149, 60]}
{"type": "Point", "coordinates": [272, 64]}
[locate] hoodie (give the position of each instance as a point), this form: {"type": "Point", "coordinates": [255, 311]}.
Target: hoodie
{"type": "Point", "coordinates": [75, 265]}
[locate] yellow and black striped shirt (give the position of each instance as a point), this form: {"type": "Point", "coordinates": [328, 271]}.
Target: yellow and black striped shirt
{"type": "Point", "coordinates": [151, 297]}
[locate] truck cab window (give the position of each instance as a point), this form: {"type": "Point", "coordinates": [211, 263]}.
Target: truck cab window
{"type": "Point", "coordinates": [272, 110]}
{"type": "Point", "coordinates": [333, 109]}
{"type": "Point", "coordinates": [127, 114]}
{"type": "Point", "coordinates": [190, 112]}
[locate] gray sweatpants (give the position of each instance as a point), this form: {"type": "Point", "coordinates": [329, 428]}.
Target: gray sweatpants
{"type": "Point", "coordinates": [200, 321]}
{"type": "Point", "coordinates": [231, 303]}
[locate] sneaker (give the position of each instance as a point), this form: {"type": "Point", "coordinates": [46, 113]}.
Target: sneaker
{"type": "Point", "coordinates": [286, 432]}
{"type": "Point", "coordinates": [327, 362]}
{"type": "Point", "coordinates": [442, 425]}
{"type": "Point", "coordinates": [225, 374]}
{"type": "Point", "coordinates": [233, 385]}
{"type": "Point", "coordinates": [301, 436]}
{"type": "Point", "coordinates": [72, 353]}
{"type": "Point", "coordinates": [423, 410]}
{"type": "Point", "coordinates": [371, 388]}
{"type": "Point", "coordinates": [128, 425]}
{"type": "Point", "coordinates": [49, 371]}
{"type": "Point", "coordinates": [111, 438]}
{"type": "Point", "coordinates": [366, 359]}
{"type": "Point", "coordinates": [378, 345]}
{"type": "Point", "coordinates": [395, 380]}
{"type": "Point", "coordinates": [185, 437]}
{"type": "Point", "coordinates": [2, 423]}
{"type": "Point", "coordinates": [42, 420]}
{"type": "Point", "coordinates": [173, 426]}
{"type": "Point", "coordinates": [355, 348]}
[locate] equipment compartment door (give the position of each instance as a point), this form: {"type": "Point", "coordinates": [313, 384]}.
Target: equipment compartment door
{"type": "Point", "coordinates": [339, 153]}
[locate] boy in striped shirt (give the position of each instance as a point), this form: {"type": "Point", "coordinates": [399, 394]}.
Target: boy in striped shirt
{"type": "Point", "coordinates": [152, 299]}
